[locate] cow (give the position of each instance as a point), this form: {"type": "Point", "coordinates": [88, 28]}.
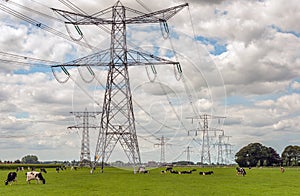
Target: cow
{"type": "Point", "coordinates": [142, 170]}
{"type": "Point", "coordinates": [169, 168]}
{"type": "Point", "coordinates": [174, 172]}
{"type": "Point", "coordinates": [282, 169]}
{"type": "Point", "coordinates": [75, 168]}
{"type": "Point", "coordinates": [186, 172]}
{"type": "Point", "coordinates": [34, 175]}
{"type": "Point", "coordinates": [240, 171]}
{"type": "Point", "coordinates": [206, 173]}
{"type": "Point", "coordinates": [43, 170]}
{"type": "Point", "coordinates": [20, 169]}
{"type": "Point", "coordinates": [11, 177]}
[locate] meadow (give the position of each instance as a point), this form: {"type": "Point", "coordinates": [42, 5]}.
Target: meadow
{"type": "Point", "coordinates": [114, 181]}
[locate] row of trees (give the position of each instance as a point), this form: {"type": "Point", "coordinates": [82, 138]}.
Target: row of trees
{"type": "Point", "coordinates": [255, 154]}
{"type": "Point", "coordinates": [26, 159]}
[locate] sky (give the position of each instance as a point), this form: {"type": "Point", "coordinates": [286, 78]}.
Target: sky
{"type": "Point", "coordinates": [240, 62]}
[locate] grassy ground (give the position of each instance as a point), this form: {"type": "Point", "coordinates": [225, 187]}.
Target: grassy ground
{"type": "Point", "coordinates": [224, 181]}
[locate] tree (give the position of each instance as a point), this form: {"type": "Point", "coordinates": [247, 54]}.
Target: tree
{"type": "Point", "coordinates": [17, 161]}
{"type": "Point", "coordinates": [255, 154]}
{"type": "Point", "coordinates": [30, 159]}
{"type": "Point", "coordinates": [273, 157]}
{"type": "Point", "coordinates": [291, 155]}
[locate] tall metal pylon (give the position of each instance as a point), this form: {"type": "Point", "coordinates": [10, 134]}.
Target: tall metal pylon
{"type": "Point", "coordinates": [162, 145]}
{"type": "Point", "coordinates": [228, 151]}
{"type": "Point", "coordinates": [85, 157]}
{"type": "Point", "coordinates": [117, 120]}
{"type": "Point", "coordinates": [205, 148]}
{"type": "Point", "coordinates": [188, 153]}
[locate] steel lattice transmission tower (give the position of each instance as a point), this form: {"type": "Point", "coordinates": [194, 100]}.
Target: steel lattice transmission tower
{"type": "Point", "coordinates": [117, 120]}
{"type": "Point", "coordinates": [206, 145]}
{"type": "Point", "coordinates": [188, 153]}
{"type": "Point", "coordinates": [162, 145]}
{"type": "Point", "coordinates": [85, 157]}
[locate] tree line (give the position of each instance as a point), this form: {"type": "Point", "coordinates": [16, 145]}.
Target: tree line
{"type": "Point", "coordinates": [255, 154]}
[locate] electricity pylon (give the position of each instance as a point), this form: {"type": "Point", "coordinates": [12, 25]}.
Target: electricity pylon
{"type": "Point", "coordinates": [85, 157]}
{"type": "Point", "coordinates": [188, 153]}
{"type": "Point", "coordinates": [205, 149]}
{"type": "Point", "coordinates": [117, 120]}
{"type": "Point", "coordinates": [162, 145]}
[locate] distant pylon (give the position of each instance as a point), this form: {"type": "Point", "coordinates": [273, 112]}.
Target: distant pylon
{"type": "Point", "coordinates": [162, 145]}
{"type": "Point", "coordinates": [188, 153]}
{"type": "Point", "coordinates": [228, 151]}
{"type": "Point", "coordinates": [85, 157]}
{"type": "Point", "coordinates": [205, 149]}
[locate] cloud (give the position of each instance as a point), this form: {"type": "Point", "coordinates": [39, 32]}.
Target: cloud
{"type": "Point", "coordinates": [295, 85]}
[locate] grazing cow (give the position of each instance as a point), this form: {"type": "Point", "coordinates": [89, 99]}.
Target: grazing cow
{"type": "Point", "coordinates": [163, 172]}
{"type": "Point", "coordinates": [206, 173]}
{"type": "Point", "coordinates": [11, 177]}
{"type": "Point", "coordinates": [142, 170]}
{"type": "Point", "coordinates": [282, 169]}
{"type": "Point", "coordinates": [186, 172]}
{"type": "Point", "coordinates": [57, 169]}
{"type": "Point", "coordinates": [169, 168]}
{"type": "Point", "coordinates": [43, 170]}
{"type": "Point", "coordinates": [73, 168]}
{"type": "Point", "coordinates": [174, 172]}
{"type": "Point", "coordinates": [240, 171]}
{"type": "Point", "coordinates": [19, 169]}
{"type": "Point", "coordinates": [33, 175]}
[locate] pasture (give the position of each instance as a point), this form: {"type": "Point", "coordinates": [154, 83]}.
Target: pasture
{"type": "Point", "coordinates": [224, 181]}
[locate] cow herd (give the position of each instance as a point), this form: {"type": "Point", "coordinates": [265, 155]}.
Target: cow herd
{"type": "Point", "coordinates": [35, 175]}
{"type": "Point", "coordinates": [170, 170]}
{"type": "Point", "coordinates": [30, 175]}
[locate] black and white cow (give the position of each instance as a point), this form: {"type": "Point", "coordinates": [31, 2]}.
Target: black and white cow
{"type": "Point", "coordinates": [169, 168]}
{"type": "Point", "coordinates": [11, 177]}
{"type": "Point", "coordinates": [186, 172]}
{"type": "Point", "coordinates": [34, 175]}
{"type": "Point", "coordinates": [142, 170]}
{"type": "Point", "coordinates": [20, 169]}
{"type": "Point", "coordinates": [43, 170]}
{"type": "Point", "coordinates": [240, 171]}
{"type": "Point", "coordinates": [206, 173]}
{"type": "Point", "coordinates": [174, 172]}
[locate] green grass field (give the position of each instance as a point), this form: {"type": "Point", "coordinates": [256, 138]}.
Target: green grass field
{"type": "Point", "coordinates": [224, 181]}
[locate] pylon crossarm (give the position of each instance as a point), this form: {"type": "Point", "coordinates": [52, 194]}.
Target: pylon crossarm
{"type": "Point", "coordinates": [81, 19]}
{"type": "Point", "coordinates": [154, 17]}
{"type": "Point", "coordinates": [101, 58]}
{"type": "Point", "coordinates": [142, 58]}
{"type": "Point", "coordinates": [95, 19]}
